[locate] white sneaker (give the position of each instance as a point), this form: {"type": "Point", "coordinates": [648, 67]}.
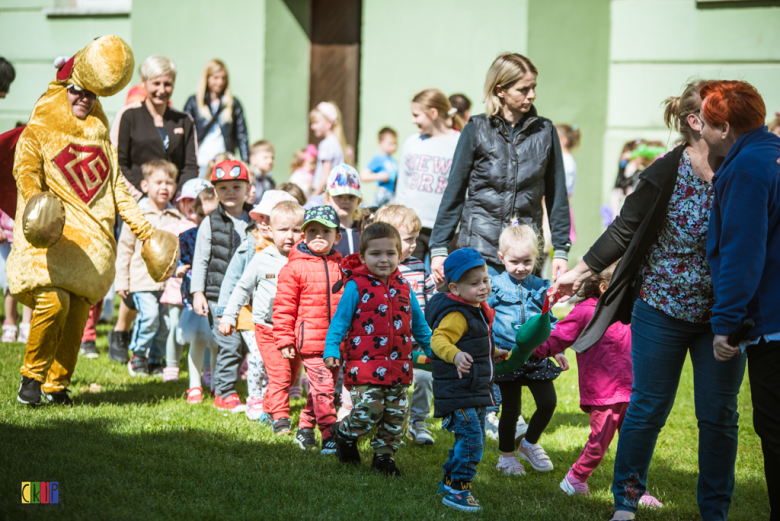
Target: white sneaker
{"type": "Point", "coordinates": [418, 432]}
{"type": "Point", "coordinates": [9, 333]}
{"type": "Point", "coordinates": [491, 426]}
{"type": "Point", "coordinates": [534, 454]}
{"type": "Point", "coordinates": [510, 466]}
{"type": "Point", "coordinates": [520, 430]}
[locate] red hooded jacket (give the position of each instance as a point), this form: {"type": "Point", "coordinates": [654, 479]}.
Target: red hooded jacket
{"type": "Point", "coordinates": [304, 302]}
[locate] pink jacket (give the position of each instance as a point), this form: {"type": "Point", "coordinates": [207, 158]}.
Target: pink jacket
{"type": "Point", "coordinates": [7, 225]}
{"type": "Point", "coordinates": [605, 369]}
{"type": "Point", "coordinates": [172, 292]}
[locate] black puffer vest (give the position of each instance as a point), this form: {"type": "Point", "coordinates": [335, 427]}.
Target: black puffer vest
{"type": "Point", "coordinates": [475, 389]}
{"type": "Point", "coordinates": [506, 182]}
{"type": "Point", "coordinates": [224, 243]}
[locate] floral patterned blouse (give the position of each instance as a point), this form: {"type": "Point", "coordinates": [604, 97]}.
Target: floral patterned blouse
{"type": "Point", "coordinates": [676, 274]}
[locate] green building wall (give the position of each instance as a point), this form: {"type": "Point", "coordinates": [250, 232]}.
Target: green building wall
{"type": "Point", "coordinates": [604, 65]}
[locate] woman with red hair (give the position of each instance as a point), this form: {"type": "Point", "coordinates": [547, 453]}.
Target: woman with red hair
{"type": "Point", "coordinates": [743, 249]}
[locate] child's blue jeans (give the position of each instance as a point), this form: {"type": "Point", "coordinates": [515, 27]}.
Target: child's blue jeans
{"type": "Point", "coordinates": [150, 330]}
{"type": "Point", "coordinates": [468, 426]}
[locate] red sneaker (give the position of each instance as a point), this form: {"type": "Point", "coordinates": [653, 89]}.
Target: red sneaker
{"type": "Point", "coordinates": [231, 403]}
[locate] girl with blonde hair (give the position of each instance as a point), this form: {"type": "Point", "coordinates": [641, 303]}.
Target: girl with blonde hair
{"type": "Point", "coordinates": [426, 160]}
{"type": "Point", "coordinates": [326, 123]}
{"type": "Point", "coordinates": [509, 162]}
{"type": "Point", "coordinates": [219, 117]}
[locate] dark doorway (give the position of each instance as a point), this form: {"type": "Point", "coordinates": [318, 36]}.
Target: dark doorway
{"type": "Point", "coordinates": [335, 61]}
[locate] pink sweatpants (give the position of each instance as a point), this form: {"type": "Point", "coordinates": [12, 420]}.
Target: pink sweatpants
{"type": "Point", "coordinates": [320, 409]}
{"type": "Point", "coordinates": [282, 372]}
{"type": "Point", "coordinates": [605, 420]}
{"type": "Point", "coordinates": [90, 330]}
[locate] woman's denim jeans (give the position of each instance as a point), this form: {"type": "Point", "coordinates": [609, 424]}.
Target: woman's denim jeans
{"type": "Point", "coordinates": [659, 346]}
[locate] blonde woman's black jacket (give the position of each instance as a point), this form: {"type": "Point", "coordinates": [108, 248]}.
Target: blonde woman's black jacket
{"type": "Point", "coordinates": [506, 170]}
{"type": "Point", "coordinates": [140, 141]}
{"type": "Point", "coordinates": [629, 239]}
{"type": "Point", "coordinates": [235, 133]}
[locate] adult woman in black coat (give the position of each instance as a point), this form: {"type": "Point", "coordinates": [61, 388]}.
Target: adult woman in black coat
{"type": "Point", "coordinates": [507, 160]}
{"type": "Point", "coordinates": [219, 117]}
{"type": "Point", "coordinates": [155, 130]}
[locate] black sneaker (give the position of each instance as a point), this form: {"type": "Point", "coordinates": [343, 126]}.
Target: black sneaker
{"type": "Point", "coordinates": [385, 464]}
{"type": "Point", "coordinates": [137, 366]}
{"type": "Point", "coordinates": [59, 398]}
{"type": "Point", "coordinates": [154, 369]}
{"type": "Point", "coordinates": [88, 349]}
{"type": "Point", "coordinates": [29, 392]}
{"type": "Point", "coordinates": [305, 438]}
{"type": "Point", "coordinates": [282, 426]}
{"type": "Point", "coordinates": [328, 446]}
{"type": "Point", "coordinates": [346, 448]}
{"type": "Point", "coordinates": [118, 344]}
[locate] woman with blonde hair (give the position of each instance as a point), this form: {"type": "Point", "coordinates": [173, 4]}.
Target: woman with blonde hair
{"type": "Point", "coordinates": [426, 161]}
{"type": "Point", "coordinates": [154, 130]}
{"type": "Point", "coordinates": [219, 117]}
{"type": "Point", "coordinates": [509, 161]}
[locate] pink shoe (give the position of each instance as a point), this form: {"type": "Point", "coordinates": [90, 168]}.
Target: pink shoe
{"type": "Point", "coordinates": [254, 408]}
{"type": "Point", "coordinates": [9, 333]}
{"type": "Point", "coordinates": [170, 374]}
{"type": "Point", "coordinates": [572, 485]}
{"type": "Point", "coordinates": [510, 466]}
{"type": "Point", "coordinates": [649, 501]}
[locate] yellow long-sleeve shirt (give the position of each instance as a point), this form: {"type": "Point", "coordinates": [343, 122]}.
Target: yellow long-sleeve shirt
{"type": "Point", "coordinates": [446, 336]}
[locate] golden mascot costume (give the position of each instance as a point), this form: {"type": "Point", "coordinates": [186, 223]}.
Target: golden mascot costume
{"type": "Point", "coordinates": [69, 190]}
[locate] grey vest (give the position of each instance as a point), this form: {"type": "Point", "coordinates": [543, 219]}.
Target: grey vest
{"type": "Point", "coordinates": [224, 243]}
{"type": "Point", "coordinates": [506, 182]}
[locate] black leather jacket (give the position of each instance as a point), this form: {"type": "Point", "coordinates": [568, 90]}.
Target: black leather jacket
{"type": "Point", "coordinates": [234, 133]}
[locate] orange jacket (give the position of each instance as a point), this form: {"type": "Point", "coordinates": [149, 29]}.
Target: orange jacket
{"type": "Point", "coordinates": [305, 302]}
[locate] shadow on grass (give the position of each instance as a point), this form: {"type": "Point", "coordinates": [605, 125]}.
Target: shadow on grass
{"type": "Point", "coordinates": [224, 470]}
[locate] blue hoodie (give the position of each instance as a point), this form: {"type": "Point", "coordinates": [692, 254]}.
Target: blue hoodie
{"type": "Point", "coordinates": [743, 241]}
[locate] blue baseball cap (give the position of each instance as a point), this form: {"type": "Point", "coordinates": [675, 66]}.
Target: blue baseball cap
{"type": "Point", "coordinates": [461, 261]}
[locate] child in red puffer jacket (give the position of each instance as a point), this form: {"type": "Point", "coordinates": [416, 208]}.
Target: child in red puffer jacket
{"type": "Point", "coordinates": [303, 308]}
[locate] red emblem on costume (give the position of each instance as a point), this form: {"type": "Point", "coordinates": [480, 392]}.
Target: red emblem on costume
{"type": "Point", "coordinates": [84, 167]}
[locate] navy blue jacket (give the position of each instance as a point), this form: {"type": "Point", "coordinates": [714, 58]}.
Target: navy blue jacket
{"type": "Point", "coordinates": [743, 240]}
{"type": "Point", "coordinates": [450, 392]}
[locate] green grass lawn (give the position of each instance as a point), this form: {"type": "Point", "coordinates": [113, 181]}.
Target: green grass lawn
{"type": "Point", "coordinates": [136, 450]}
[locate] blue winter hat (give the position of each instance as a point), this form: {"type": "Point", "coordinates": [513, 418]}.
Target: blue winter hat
{"type": "Point", "coordinates": [461, 261]}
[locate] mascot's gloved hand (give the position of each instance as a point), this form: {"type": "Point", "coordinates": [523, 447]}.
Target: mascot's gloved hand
{"type": "Point", "coordinates": [160, 252]}
{"type": "Point", "coordinates": [43, 220]}
{"type": "Point", "coordinates": [530, 335]}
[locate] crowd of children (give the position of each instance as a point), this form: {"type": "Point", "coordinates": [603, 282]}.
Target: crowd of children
{"type": "Point", "coordinates": [276, 282]}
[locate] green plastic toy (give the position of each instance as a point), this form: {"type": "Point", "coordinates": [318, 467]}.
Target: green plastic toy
{"type": "Point", "coordinates": [530, 335]}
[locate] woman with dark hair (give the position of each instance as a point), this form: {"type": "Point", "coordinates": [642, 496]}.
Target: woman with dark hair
{"type": "Point", "coordinates": [743, 249]}
{"type": "Point", "coordinates": [663, 287]}
{"type": "Point", "coordinates": [155, 130]}
{"type": "Point", "coordinates": [507, 160]}
{"type": "Point", "coordinates": [219, 117]}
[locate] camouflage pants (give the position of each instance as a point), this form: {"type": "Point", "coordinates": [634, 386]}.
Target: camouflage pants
{"type": "Point", "coordinates": [383, 406]}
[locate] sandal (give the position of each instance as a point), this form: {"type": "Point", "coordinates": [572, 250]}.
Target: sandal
{"type": "Point", "coordinates": [195, 395]}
